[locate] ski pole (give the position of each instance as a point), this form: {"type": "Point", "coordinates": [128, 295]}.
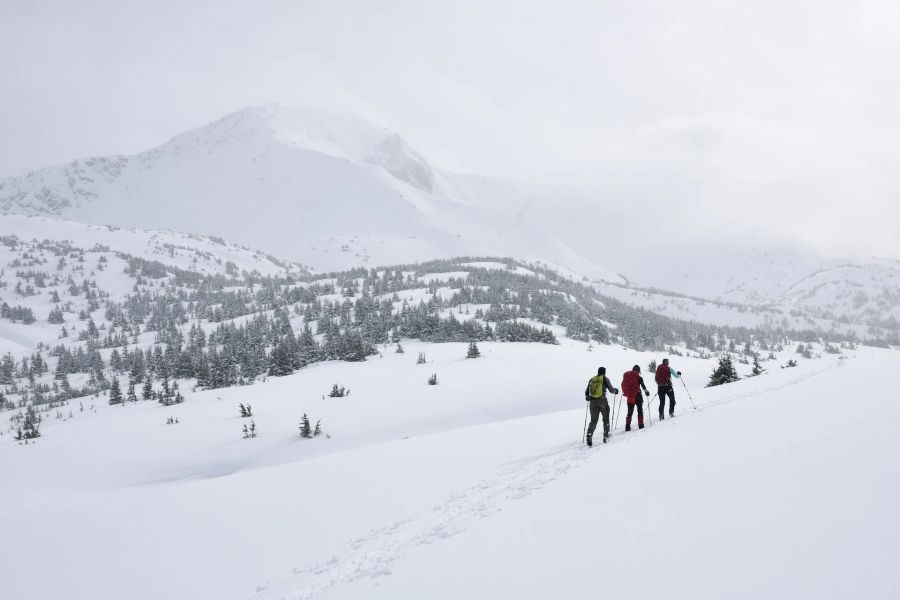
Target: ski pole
{"type": "Point", "coordinates": [612, 414]}
{"type": "Point", "coordinates": [587, 407]}
{"type": "Point", "coordinates": [689, 394]}
{"type": "Point", "coordinates": [618, 410]}
{"type": "Point", "coordinates": [650, 410]}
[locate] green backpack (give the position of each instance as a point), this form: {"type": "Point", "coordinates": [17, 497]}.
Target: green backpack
{"type": "Point", "coordinates": [595, 386]}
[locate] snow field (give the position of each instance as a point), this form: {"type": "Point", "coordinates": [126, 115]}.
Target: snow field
{"type": "Point", "coordinates": [447, 490]}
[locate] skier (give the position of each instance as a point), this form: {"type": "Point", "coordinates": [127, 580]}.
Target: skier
{"type": "Point", "coordinates": [595, 393]}
{"type": "Point", "coordinates": [664, 375]}
{"type": "Point", "coordinates": [632, 384]}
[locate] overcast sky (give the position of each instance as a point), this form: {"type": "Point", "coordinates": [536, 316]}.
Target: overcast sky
{"type": "Point", "coordinates": [780, 114]}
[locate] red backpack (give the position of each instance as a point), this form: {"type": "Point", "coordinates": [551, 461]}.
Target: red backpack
{"type": "Point", "coordinates": [631, 384]}
{"type": "Point", "coordinates": [663, 377]}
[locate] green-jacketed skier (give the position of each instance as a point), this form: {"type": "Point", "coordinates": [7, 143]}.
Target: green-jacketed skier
{"type": "Point", "coordinates": [595, 393]}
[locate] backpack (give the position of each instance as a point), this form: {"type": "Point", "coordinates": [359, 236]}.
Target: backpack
{"type": "Point", "coordinates": [631, 384]}
{"type": "Point", "coordinates": [663, 377]}
{"type": "Point", "coordinates": [595, 386]}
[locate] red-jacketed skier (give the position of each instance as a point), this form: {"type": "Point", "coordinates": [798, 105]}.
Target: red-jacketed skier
{"type": "Point", "coordinates": [664, 375]}
{"type": "Point", "coordinates": [632, 384]}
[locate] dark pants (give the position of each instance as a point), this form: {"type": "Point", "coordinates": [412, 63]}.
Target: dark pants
{"type": "Point", "coordinates": [639, 402]}
{"type": "Point", "coordinates": [599, 406]}
{"type": "Point", "coordinates": [666, 390]}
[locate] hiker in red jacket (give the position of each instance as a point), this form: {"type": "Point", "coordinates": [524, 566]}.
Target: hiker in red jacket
{"type": "Point", "coordinates": [664, 375]}
{"type": "Point", "coordinates": [632, 384]}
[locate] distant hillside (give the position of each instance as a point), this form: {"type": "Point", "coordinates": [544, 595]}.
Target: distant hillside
{"type": "Point", "coordinates": [153, 308]}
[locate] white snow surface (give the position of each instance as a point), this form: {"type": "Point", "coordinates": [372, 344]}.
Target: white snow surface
{"type": "Point", "coordinates": [478, 487]}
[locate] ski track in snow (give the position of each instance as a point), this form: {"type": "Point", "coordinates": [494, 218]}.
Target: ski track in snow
{"type": "Point", "coordinates": [371, 555]}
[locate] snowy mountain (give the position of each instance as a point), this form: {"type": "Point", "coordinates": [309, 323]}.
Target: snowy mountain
{"type": "Point", "coordinates": [320, 188]}
{"type": "Point", "coordinates": [336, 192]}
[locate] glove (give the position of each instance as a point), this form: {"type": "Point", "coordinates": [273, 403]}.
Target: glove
{"type": "Point", "coordinates": [616, 392]}
{"type": "Point", "coordinates": [679, 373]}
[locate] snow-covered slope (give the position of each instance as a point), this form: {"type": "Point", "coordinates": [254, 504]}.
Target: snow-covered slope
{"type": "Point", "coordinates": [203, 254]}
{"type": "Point", "coordinates": [863, 297]}
{"type": "Point", "coordinates": [475, 488]}
{"type": "Point", "coordinates": [330, 190]}
{"type": "Point", "coordinates": [868, 292]}
{"type": "Point", "coordinates": [42, 256]}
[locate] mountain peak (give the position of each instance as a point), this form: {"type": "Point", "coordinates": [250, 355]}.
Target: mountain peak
{"type": "Point", "coordinates": [340, 135]}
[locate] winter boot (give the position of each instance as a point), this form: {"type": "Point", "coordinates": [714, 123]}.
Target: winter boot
{"type": "Point", "coordinates": [640, 422]}
{"type": "Point", "coordinates": [605, 436]}
{"type": "Point", "coordinates": [589, 440]}
{"type": "Point", "coordinates": [628, 423]}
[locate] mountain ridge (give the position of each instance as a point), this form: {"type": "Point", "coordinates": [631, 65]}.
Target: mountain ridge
{"type": "Point", "coordinates": [336, 191]}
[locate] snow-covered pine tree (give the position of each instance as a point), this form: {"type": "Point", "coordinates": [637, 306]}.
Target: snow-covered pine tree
{"type": "Point", "coordinates": [177, 398]}
{"type": "Point", "coordinates": [115, 393]}
{"type": "Point", "coordinates": [147, 391]}
{"type": "Point", "coordinates": [132, 395]}
{"type": "Point", "coordinates": [305, 428]}
{"type": "Point", "coordinates": [318, 430]}
{"type": "Point", "coordinates": [651, 366]}
{"type": "Point", "coordinates": [723, 373]}
{"type": "Point", "coordinates": [421, 360]}
{"type": "Point", "coordinates": [757, 368]}
{"type": "Point", "coordinates": [30, 429]}
{"type": "Point", "coordinates": [433, 380]}
{"type": "Point", "coordinates": [473, 351]}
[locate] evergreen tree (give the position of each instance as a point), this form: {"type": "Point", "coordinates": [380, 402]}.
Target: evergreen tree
{"type": "Point", "coordinates": [433, 380]}
{"type": "Point", "coordinates": [115, 393]}
{"type": "Point", "coordinates": [306, 430]}
{"type": "Point", "coordinates": [132, 396]}
{"type": "Point", "coordinates": [473, 350]}
{"type": "Point", "coordinates": [318, 430]}
{"type": "Point", "coordinates": [723, 373]}
{"type": "Point", "coordinates": [757, 368]}
{"type": "Point", "coordinates": [147, 392]}
{"type": "Point", "coordinates": [30, 429]}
